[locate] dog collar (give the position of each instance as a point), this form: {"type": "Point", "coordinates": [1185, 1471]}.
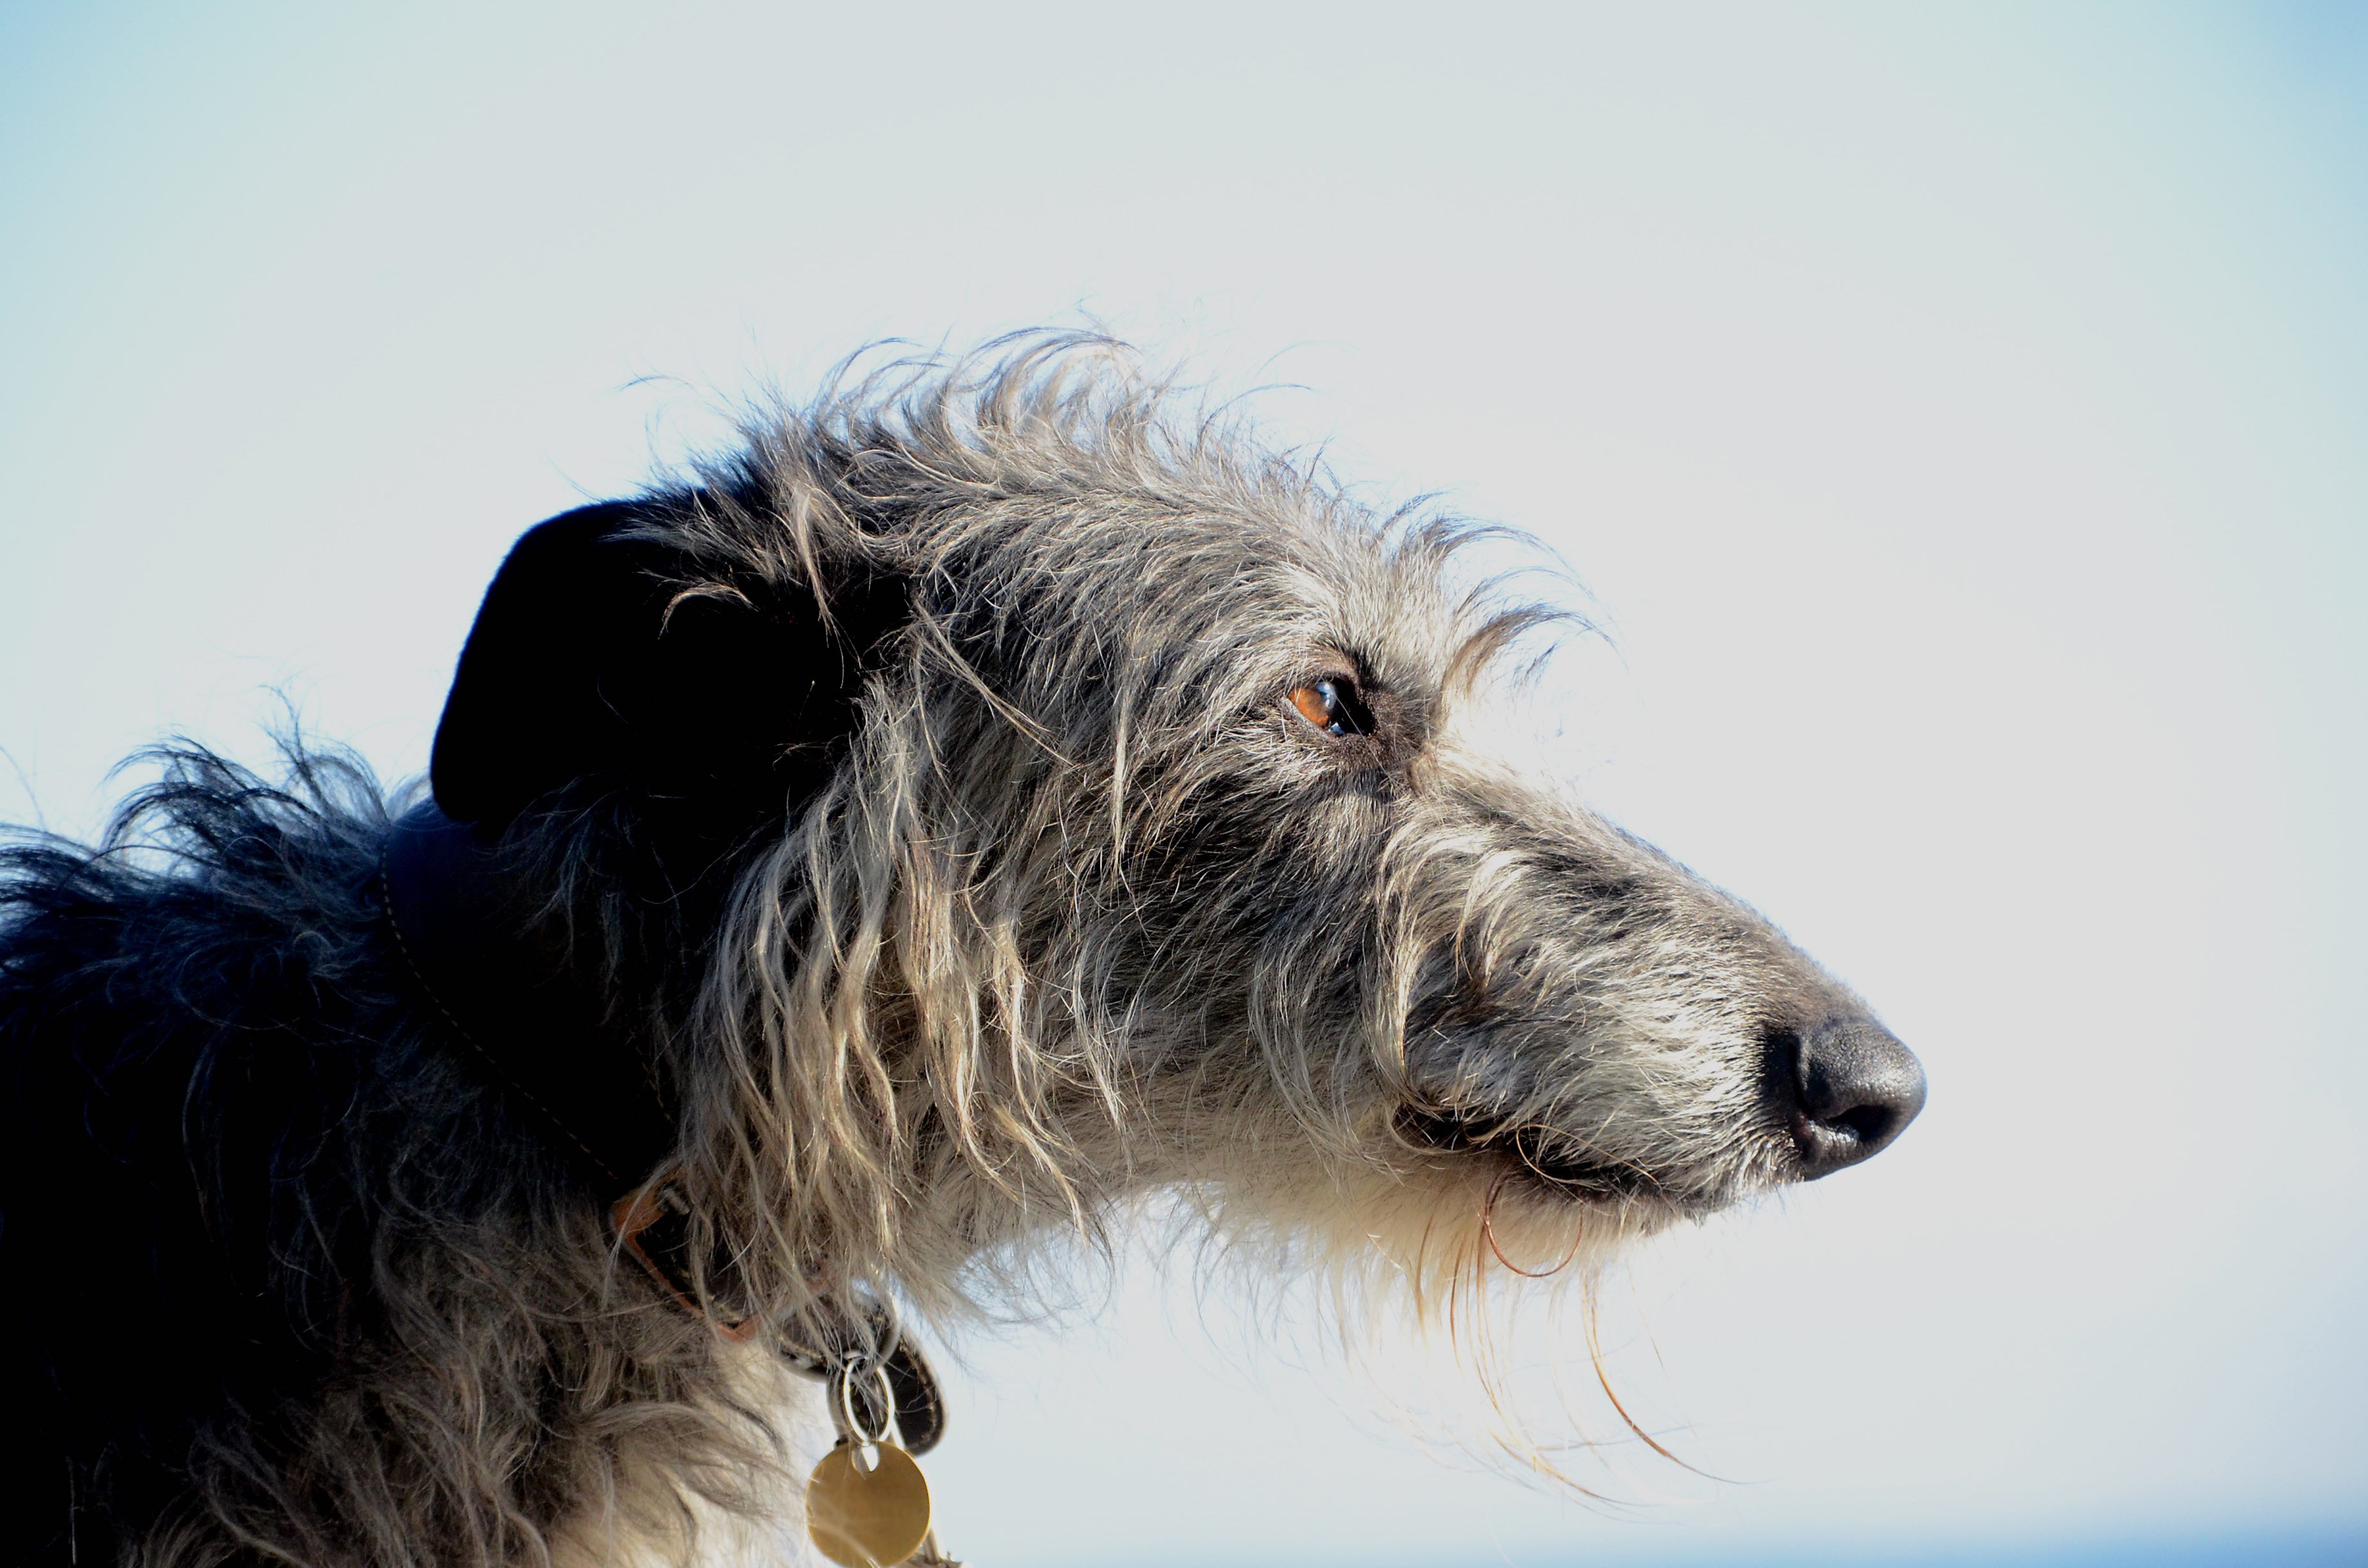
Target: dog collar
{"type": "Point", "coordinates": [510, 989]}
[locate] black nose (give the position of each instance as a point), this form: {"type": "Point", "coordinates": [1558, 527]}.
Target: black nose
{"type": "Point", "coordinates": [1852, 1088]}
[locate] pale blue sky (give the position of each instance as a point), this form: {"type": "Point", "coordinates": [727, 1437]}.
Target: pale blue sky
{"type": "Point", "coordinates": [1959, 415]}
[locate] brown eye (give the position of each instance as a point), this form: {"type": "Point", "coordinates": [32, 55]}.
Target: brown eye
{"type": "Point", "coordinates": [1332, 706]}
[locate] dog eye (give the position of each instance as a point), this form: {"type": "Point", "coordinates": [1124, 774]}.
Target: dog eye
{"type": "Point", "coordinates": [1331, 706]}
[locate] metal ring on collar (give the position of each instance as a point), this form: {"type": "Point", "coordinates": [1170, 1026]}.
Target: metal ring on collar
{"type": "Point", "coordinates": [858, 1366]}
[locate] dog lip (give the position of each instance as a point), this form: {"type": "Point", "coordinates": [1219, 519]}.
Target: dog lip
{"type": "Point", "coordinates": [1533, 1151]}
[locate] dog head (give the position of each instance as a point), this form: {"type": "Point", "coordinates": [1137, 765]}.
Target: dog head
{"type": "Point", "coordinates": [998, 801]}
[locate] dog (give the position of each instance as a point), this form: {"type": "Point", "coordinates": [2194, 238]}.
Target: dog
{"type": "Point", "coordinates": [983, 797]}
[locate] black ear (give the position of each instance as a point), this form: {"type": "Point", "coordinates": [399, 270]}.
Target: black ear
{"type": "Point", "coordinates": [606, 661]}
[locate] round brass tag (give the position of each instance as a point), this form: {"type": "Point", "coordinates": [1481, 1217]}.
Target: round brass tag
{"type": "Point", "coordinates": [867, 1519]}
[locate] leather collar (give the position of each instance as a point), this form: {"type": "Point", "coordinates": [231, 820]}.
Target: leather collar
{"type": "Point", "coordinates": [501, 973]}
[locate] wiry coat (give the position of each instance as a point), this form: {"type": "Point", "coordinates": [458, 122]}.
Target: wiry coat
{"type": "Point", "coordinates": [933, 788]}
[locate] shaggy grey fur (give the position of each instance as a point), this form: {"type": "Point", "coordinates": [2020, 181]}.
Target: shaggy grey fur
{"type": "Point", "coordinates": [1087, 906]}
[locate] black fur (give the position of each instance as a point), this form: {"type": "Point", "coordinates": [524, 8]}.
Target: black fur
{"type": "Point", "coordinates": [228, 1112]}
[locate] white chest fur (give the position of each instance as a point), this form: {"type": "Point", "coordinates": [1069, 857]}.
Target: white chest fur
{"type": "Point", "coordinates": [706, 1534]}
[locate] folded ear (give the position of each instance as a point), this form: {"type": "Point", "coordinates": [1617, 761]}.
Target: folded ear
{"type": "Point", "coordinates": [606, 659]}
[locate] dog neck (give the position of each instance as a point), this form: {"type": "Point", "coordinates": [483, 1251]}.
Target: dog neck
{"type": "Point", "coordinates": [539, 1018]}
{"type": "Point", "coordinates": [545, 1027]}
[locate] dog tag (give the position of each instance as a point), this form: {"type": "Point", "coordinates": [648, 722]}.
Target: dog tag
{"type": "Point", "coordinates": [874, 1518]}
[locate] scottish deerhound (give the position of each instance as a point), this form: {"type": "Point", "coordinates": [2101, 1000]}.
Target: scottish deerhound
{"type": "Point", "coordinates": [982, 797]}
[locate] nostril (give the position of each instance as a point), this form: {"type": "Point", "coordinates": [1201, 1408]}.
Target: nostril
{"type": "Point", "coordinates": [1853, 1087]}
{"type": "Point", "coordinates": [1870, 1124]}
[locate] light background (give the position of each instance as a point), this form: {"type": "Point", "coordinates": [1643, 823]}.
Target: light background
{"type": "Point", "coordinates": [1959, 415]}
